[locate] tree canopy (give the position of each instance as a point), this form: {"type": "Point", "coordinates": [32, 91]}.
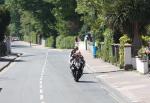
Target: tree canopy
{"type": "Point", "coordinates": [4, 21]}
{"type": "Point", "coordinates": [122, 16]}
{"type": "Point", "coordinates": [69, 17]}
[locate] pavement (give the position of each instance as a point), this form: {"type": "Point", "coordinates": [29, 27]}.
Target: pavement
{"type": "Point", "coordinates": [131, 85]}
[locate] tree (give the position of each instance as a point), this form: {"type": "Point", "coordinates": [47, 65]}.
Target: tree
{"type": "Point", "coordinates": [15, 24]}
{"type": "Point", "coordinates": [40, 12]}
{"type": "Point", "coordinates": [92, 16]}
{"type": "Point", "coordinates": [129, 16]}
{"type": "Point", "coordinates": [4, 22]}
{"type": "Point", "coordinates": [122, 16]}
{"type": "Point", "coordinates": [67, 20]}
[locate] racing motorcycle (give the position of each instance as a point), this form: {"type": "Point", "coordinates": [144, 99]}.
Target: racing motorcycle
{"type": "Point", "coordinates": [76, 65]}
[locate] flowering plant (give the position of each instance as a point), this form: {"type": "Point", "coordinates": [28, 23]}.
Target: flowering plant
{"type": "Point", "coordinates": [142, 53]}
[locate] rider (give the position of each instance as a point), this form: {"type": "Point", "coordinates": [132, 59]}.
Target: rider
{"type": "Point", "coordinates": [74, 53]}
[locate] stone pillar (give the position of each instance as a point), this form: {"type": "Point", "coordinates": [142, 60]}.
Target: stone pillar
{"type": "Point", "coordinates": [142, 65]}
{"type": "Point", "coordinates": [43, 42]}
{"type": "Point", "coordinates": [127, 57]}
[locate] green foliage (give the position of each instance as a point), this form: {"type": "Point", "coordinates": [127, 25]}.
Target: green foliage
{"type": "Point", "coordinates": [145, 40]}
{"type": "Point", "coordinates": [91, 11]}
{"type": "Point", "coordinates": [123, 40]}
{"type": "Point", "coordinates": [15, 24]}
{"type": "Point", "coordinates": [67, 20]}
{"type": "Point", "coordinates": [32, 37]}
{"type": "Point", "coordinates": [129, 16]}
{"type": "Point", "coordinates": [65, 42]}
{"type": "Point", "coordinates": [50, 41]}
{"type": "Point", "coordinates": [120, 11]}
{"type": "Point", "coordinates": [4, 21]}
{"type": "Point", "coordinates": [106, 49]}
{"type": "Point", "coordinates": [26, 38]}
{"type": "Point", "coordinates": [122, 16]}
{"type": "Point", "coordinates": [2, 1]}
{"type": "Point", "coordinates": [59, 41]}
{"type": "Point", "coordinates": [33, 16]}
{"type": "Point", "coordinates": [99, 52]}
{"type": "Point", "coordinates": [45, 17]}
{"type": "Point", "coordinates": [142, 54]}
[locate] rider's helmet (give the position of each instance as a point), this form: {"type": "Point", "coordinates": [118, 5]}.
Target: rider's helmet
{"type": "Point", "coordinates": [76, 48]}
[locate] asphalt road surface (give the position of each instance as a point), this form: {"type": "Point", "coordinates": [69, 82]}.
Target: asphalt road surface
{"type": "Point", "coordinates": [43, 76]}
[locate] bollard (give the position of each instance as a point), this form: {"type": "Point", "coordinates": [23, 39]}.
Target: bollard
{"type": "Point", "coordinates": [94, 51]}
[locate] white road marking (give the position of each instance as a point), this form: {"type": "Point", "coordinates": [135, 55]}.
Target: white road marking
{"type": "Point", "coordinates": [41, 91]}
{"type": "Point", "coordinates": [41, 97]}
{"type": "Point", "coordinates": [41, 86]}
{"type": "Point", "coordinates": [41, 80]}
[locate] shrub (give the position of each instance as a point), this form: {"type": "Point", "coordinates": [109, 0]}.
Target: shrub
{"type": "Point", "coordinates": [65, 42]}
{"type": "Point", "coordinates": [50, 41]}
{"type": "Point", "coordinates": [145, 40]}
{"type": "Point", "coordinates": [58, 41]}
{"type": "Point", "coordinates": [69, 42]}
{"type": "Point", "coordinates": [33, 37]}
{"type": "Point", "coordinates": [142, 53]}
{"type": "Point", "coordinates": [106, 52]}
{"type": "Point", "coordinates": [99, 52]}
{"type": "Point", "coordinates": [26, 38]}
{"type": "Point", "coordinates": [123, 40]}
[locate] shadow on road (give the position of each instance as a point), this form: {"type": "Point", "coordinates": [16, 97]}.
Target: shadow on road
{"type": "Point", "coordinates": [18, 61]}
{"type": "Point", "coordinates": [86, 82]}
{"type": "Point", "coordinates": [10, 60]}
{"type": "Point", "coordinates": [20, 46]}
{"type": "Point", "coordinates": [0, 89]}
{"type": "Point", "coordinates": [15, 54]}
{"type": "Point", "coordinates": [27, 55]}
{"type": "Point", "coordinates": [87, 73]}
{"type": "Point", "coordinates": [115, 71]}
{"type": "Point", "coordinates": [5, 60]}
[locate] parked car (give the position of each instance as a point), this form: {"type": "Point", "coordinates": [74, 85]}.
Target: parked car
{"type": "Point", "coordinates": [15, 39]}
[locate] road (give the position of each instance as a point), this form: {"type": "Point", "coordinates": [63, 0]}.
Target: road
{"type": "Point", "coordinates": [43, 76]}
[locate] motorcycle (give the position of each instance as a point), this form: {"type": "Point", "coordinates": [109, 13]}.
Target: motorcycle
{"type": "Point", "coordinates": [76, 66]}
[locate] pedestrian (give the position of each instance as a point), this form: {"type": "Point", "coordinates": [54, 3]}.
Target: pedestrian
{"type": "Point", "coordinates": [85, 41]}
{"type": "Point", "coordinates": [30, 43]}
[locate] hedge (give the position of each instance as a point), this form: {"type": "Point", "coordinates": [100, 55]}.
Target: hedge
{"type": "Point", "coordinates": [106, 49]}
{"type": "Point", "coordinates": [50, 42]}
{"type": "Point", "coordinates": [32, 37]}
{"type": "Point", "coordinates": [65, 42]}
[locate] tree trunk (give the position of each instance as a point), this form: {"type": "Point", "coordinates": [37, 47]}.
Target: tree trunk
{"type": "Point", "coordinates": [8, 45]}
{"type": "Point", "coordinates": [136, 44]}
